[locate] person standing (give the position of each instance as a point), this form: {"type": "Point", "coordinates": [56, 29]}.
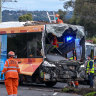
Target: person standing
{"type": "Point", "coordinates": [11, 71]}
{"type": "Point", "coordinates": [90, 70]}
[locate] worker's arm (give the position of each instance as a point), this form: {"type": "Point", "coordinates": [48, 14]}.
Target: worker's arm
{"type": "Point", "coordinates": [5, 67]}
{"type": "Point", "coordinates": [18, 69]}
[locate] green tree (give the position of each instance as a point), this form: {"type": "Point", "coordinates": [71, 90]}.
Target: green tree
{"type": "Point", "coordinates": [62, 14]}
{"type": "Point", "coordinates": [69, 4]}
{"type": "Point", "coordinates": [26, 17]}
{"type": "Point", "coordinates": [84, 14]}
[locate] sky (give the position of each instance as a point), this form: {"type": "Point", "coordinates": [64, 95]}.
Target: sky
{"type": "Point", "coordinates": [32, 5]}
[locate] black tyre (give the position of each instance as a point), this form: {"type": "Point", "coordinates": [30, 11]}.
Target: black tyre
{"type": "Point", "coordinates": [94, 82]}
{"type": "Point", "coordinates": [20, 79]}
{"type": "Point", "coordinates": [50, 83]}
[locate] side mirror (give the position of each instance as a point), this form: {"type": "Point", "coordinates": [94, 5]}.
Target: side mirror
{"type": "Point", "coordinates": [94, 60]}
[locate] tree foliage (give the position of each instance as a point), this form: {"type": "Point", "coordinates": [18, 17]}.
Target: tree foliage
{"type": "Point", "coordinates": [84, 14]}
{"type": "Point", "coordinates": [62, 14]}
{"type": "Point", "coordinates": [26, 17]}
{"type": "Point", "coordinates": [69, 4]}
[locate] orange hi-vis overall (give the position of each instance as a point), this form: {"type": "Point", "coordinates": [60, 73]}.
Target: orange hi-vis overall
{"type": "Point", "coordinates": [11, 71]}
{"type": "Point", "coordinates": [59, 21]}
{"type": "Point", "coordinates": [55, 43]}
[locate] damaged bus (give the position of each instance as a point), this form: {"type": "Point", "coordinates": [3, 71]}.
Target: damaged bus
{"type": "Point", "coordinates": [46, 53]}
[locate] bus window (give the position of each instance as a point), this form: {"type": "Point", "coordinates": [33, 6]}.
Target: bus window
{"type": "Point", "coordinates": [25, 45]}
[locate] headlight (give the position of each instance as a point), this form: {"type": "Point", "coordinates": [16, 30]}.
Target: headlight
{"type": "Point", "coordinates": [46, 63]}
{"type": "Point", "coordinates": [82, 66]}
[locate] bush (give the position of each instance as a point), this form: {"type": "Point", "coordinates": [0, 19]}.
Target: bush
{"type": "Point", "coordinates": [90, 94]}
{"type": "Point", "coordinates": [93, 39]}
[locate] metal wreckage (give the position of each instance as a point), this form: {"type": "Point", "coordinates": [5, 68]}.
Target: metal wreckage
{"type": "Point", "coordinates": [57, 64]}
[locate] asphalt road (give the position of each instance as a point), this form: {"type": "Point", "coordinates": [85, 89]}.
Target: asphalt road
{"type": "Point", "coordinates": [38, 90]}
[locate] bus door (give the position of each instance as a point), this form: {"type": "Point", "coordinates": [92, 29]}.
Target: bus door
{"type": "Point", "coordinates": [3, 52]}
{"type": "Point", "coordinates": [95, 54]}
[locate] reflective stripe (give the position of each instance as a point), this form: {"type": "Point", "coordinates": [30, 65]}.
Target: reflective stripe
{"type": "Point", "coordinates": [14, 94]}
{"type": "Point", "coordinates": [12, 70]}
{"type": "Point", "coordinates": [5, 67]}
{"type": "Point", "coordinates": [89, 67]}
{"type": "Point", "coordinates": [8, 62]}
{"type": "Point", "coordinates": [11, 67]}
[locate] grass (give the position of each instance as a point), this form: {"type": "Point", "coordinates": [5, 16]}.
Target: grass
{"type": "Point", "coordinates": [80, 91]}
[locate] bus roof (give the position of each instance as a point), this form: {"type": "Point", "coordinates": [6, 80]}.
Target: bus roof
{"type": "Point", "coordinates": [11, 24]}
{"type": "Point", "coordinates": [22, 29]}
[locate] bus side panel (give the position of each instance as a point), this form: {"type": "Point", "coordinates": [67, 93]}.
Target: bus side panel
{"type": "Point", "coordinates": [95, 55]}
{"type": "Point", "coordinates": [29, 65]}
{"type": "Point", "coordinates": [3, 52]}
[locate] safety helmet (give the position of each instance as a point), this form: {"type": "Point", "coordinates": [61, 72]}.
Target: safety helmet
{"type": "Point", "coordinates": [57, 15]}
{"type": "Point", "coordinates": [89, 56]}
{"type": "Point", "coordinates": [11, 53]}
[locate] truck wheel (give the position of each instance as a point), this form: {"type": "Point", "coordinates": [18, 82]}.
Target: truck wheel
{"type": "Point", "coordinates": [94, 80]}
{"type": "Point", "coordinates": [50, 83]}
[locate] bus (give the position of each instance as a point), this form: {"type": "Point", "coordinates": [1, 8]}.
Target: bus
{"type": "Point", "coordinates": [43, 51]}
{"type": "Point", "coordinates": [90, 50]}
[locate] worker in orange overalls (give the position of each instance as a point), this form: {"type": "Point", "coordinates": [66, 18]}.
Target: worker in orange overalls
{"type": "Point", "coordinates": [59, 21]}
{"type": "Point", "coordinates": [55, 42]}
{"type": "Point", "coordinates": [11, 71]}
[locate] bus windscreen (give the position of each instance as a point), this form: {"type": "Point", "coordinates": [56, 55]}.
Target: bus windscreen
{"type": "Point", "coordinates": [25, 45]}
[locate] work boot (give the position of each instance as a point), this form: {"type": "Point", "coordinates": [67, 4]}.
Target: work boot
{"type": "Point", "coordinates": [91, 87]}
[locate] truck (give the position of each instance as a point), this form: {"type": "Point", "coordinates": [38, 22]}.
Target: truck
{"type": "Point", "coordinates": [43, 51]}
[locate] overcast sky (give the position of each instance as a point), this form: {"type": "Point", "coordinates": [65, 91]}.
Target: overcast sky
{"type": "Point", "coordinates": [31, 5]}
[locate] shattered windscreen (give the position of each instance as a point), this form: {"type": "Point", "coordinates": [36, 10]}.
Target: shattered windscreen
{"type": "Point", "coordinates": [64, 40]}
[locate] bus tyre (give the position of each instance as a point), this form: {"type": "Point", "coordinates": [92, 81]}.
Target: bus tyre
{"type": "Point", "coordinates": [94, 81]}
{"type": "Point", "coordinates": [20, 80]}
{"type": "Point", "coordinates": [50, 83]}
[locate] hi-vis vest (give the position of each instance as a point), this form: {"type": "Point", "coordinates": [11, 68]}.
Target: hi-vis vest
{"type": "Point", "coordinates": [73, 58]}
{"type": "Point", "coordinates": [88, 67]}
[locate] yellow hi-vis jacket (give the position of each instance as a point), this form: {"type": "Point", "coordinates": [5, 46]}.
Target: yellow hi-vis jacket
{"type": "Point", "coordinates": [88, 67]}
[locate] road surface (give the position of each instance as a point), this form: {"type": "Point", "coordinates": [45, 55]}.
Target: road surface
{"type": "Point", "coordinates": [37, 90]}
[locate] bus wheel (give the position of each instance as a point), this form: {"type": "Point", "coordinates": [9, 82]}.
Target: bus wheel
{"type": "Point", "coordinates": [94, 80]}
{"type": "Point", "coordinates": [50, 83]}
{"type": "Point", "coordinates": [21, 80]}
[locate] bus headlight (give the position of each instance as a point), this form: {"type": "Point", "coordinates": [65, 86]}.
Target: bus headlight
{"type": "Point", "coordinates": [47, 64]}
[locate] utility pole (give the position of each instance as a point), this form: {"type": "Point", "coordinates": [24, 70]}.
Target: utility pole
{"type": "Point", "coordinates": [1, 7]}
{"type": "Point", "coordinates": [0, 10]}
